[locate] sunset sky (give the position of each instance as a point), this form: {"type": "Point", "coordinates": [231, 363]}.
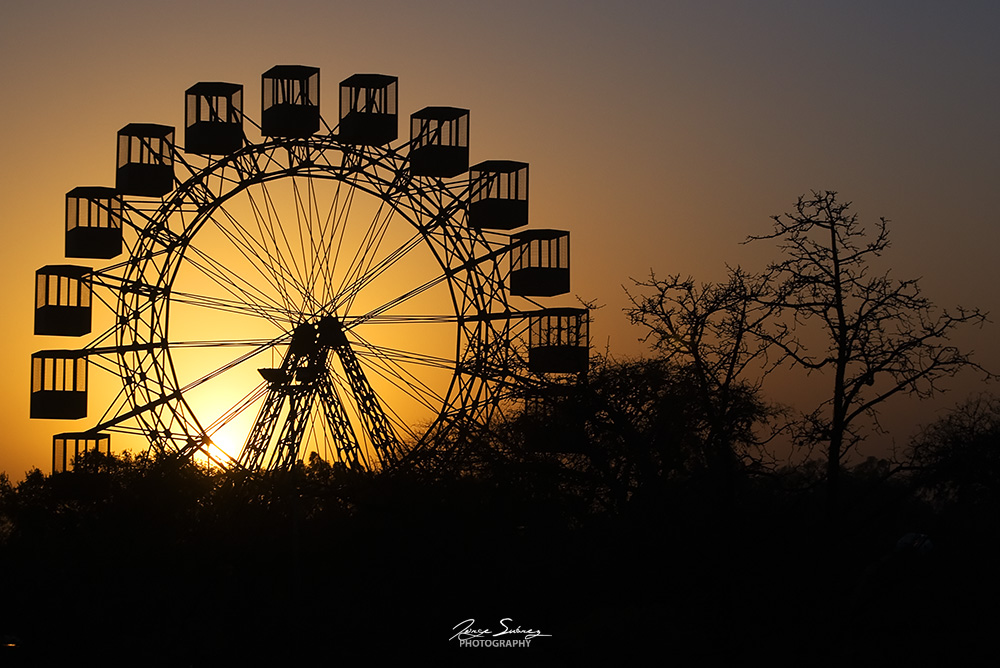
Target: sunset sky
{"type": "Point", "coordinates": [660, 134]}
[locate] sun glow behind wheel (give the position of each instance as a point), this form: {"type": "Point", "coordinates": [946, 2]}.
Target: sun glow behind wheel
{"type": "Point", "coordinates": [286, 252]}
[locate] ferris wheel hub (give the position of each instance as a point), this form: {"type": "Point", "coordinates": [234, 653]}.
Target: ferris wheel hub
{"type": "Point", "coordinates": [311, 337]}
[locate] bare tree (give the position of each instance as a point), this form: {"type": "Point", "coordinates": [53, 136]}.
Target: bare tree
{"type": "Point", "coordinates": [709, 332]}
{"type": "Point", "coordinates": [872, 336]}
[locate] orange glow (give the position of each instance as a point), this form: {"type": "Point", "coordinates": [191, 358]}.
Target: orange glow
{"type": "Point", "coordinates": [661, 136]}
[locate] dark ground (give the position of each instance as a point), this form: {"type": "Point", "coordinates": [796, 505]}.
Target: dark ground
{"type": "Point", "coordinates": [184, 572]}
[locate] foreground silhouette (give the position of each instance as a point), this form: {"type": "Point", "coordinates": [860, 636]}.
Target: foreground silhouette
{"type": "Point", "coordinates": [159, 562]}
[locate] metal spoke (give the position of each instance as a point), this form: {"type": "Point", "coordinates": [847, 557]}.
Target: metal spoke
{"type": "Point", "coordinates": [387, 364]}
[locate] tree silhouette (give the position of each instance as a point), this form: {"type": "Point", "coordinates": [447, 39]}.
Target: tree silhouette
{"type": "Point", "coordinates": [709, 334]}
{"type": "Point", "coordinates": [877, 336]}
{"type": "Point", "coordinates": [956, 459]}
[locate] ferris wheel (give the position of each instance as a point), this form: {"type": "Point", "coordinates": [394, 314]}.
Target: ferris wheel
{"type": "Point", "coordinates": [322, 289]}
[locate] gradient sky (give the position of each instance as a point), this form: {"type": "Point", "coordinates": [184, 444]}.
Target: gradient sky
{"type": "Point", "coordinates": [659, 133]}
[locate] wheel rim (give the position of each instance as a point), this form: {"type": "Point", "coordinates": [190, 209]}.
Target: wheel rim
{"type": "Point", "coordinates": [166, 391]}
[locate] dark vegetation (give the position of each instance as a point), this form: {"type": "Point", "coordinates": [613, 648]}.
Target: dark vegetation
{"type": "Point", "coordinates": [629, 547]}
{"type": "Point", "coordinates": [666, 527]}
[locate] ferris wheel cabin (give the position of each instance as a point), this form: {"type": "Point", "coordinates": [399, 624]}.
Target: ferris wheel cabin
{"type": "Point", "coordinates": [93, 222]}
{"type": "Point", "coordinates": [62, 300]}
{"type": "Point", "coordinates": [559, 341]}
{"type": "Point", "coordinates": [368, 114]}
{"type": "Point", "coordinates": [539, 263]}
{"type": "Point", "coordinates": [439, 139]}
{"type": "Point", "coordinates": [59, 384]}
{"type": "Point", "coordinates": [66, 448]}
{"type": "Point", "coordinates": [498, 195]}
{"type": "Point", "coordinates": [213, 118]}
{"type": "Point", "coordinates": [145, 160]}
{"type": "Point", "coordinates": [290, 101]}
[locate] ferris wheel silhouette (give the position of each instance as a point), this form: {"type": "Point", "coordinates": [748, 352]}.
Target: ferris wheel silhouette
{"type": "Point", "coordinates": [321, 289]}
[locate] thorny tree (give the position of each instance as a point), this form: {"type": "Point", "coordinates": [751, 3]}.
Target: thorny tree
{"type": "Point", "coordinates": [709, 331]}
{"type": "Point", "coordinates": [879, 336]}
